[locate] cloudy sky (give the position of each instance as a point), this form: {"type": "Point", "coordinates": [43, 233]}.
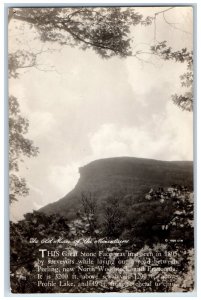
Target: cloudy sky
{"type": "Point", "coordinates": [85, 108]}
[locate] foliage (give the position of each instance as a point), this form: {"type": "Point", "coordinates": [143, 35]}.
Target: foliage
{"type": "Point", "coordinates": [103, 29]}
{"type": "Point", "coordinates": [89, 207]}
{"type": "Point", "coordinates": [19, 147]}
{"type": "Point", "coordinates": [20, 60]}
{"type": "Point", "coordinates": [24, 253]}
{"type": "Point", "coordinates": [184, 101]}
{"type": "Point", "coordinates": [157, 278]}
{"type": "Point", "coordinates": [167, 214]}
{"type": "Point", "coordinates": [112, 217]}
{"type": "Point", "coordinates": [115, 275]}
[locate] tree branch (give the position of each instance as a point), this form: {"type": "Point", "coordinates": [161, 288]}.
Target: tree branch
{"type": "Point", "coordinates": [76, 36]}
{"type": "Point", "coordinates": [173, 25]}
{"type": "Point", "coordinates": [155, 15]}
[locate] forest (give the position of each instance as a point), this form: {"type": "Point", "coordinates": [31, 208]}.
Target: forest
{"type": "Point", "coordinates": [151, 251]}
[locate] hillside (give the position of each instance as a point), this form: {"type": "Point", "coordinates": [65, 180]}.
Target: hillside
{"type": "Point", "coordinates": [125, 178]}
{"type": "Point", "coordinates": [127, 224]}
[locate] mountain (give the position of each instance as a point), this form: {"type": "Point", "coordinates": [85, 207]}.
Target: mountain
{"type": "Point", "coordinates": [122, 177]}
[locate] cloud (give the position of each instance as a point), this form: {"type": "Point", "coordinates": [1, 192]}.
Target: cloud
{"type": "Point", "coordinates": [167, 139]}
{"type": "Point", "coordinates": [64, 178]}
{"type": "Point", "coordinates": [41, 123]}
{"type": "Point", "coordinates": [178, 127]}
{"type": "Point", "coordinates": [93, 108]}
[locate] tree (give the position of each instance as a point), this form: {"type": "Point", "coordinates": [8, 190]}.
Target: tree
{"type": "Point", "coordinates": [184, 101]}
{"type": "Point", "coordinates": [24, 253]}
{"type": "Point", "coordinates": [103, 29]}
{"type": "Point", "coordinates": [89, 207]}
{"type": "Point", "coordinates": [112, 217]}
{"type": "Point", "coordinates": [106, 30]}
{"type": "Point", "coordinates": [161, 272]}
{"type": "Point", "coordinates": [19, 146]}
{"type": "Point", "coordinates": [20, 60]}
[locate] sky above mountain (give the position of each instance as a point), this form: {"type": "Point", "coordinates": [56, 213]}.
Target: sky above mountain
{"type": "Point", "coordinates": [84, 108]}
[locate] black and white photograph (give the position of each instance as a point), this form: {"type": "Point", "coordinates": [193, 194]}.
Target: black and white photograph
{"type": "Point", "coordinates": [101, 172]}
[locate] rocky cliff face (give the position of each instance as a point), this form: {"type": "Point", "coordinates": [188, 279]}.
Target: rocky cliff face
{"type": "Point", "coordinates": [122, 177]}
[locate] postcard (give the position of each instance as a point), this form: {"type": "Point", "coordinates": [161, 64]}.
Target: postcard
{"type": "Point", "coordinates": [101, 183]}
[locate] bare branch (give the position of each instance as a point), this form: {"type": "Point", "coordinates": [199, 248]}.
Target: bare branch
{"type": "Point", "coordinates": [163, 11]}
{"type": "Point", "coordinates": [155, 15]}
{"type": "Point", "coordinates": [173, 25]}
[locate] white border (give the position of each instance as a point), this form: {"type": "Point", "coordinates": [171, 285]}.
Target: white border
{"type": "Point", "coordinates": [2, 91]}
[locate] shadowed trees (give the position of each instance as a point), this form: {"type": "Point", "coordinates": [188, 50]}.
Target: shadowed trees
{"type": "Point", "coordinates": [19, 147]}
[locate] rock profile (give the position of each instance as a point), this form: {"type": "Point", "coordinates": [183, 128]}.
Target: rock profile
{"type": "Point", "coordinates": [122, 177]}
